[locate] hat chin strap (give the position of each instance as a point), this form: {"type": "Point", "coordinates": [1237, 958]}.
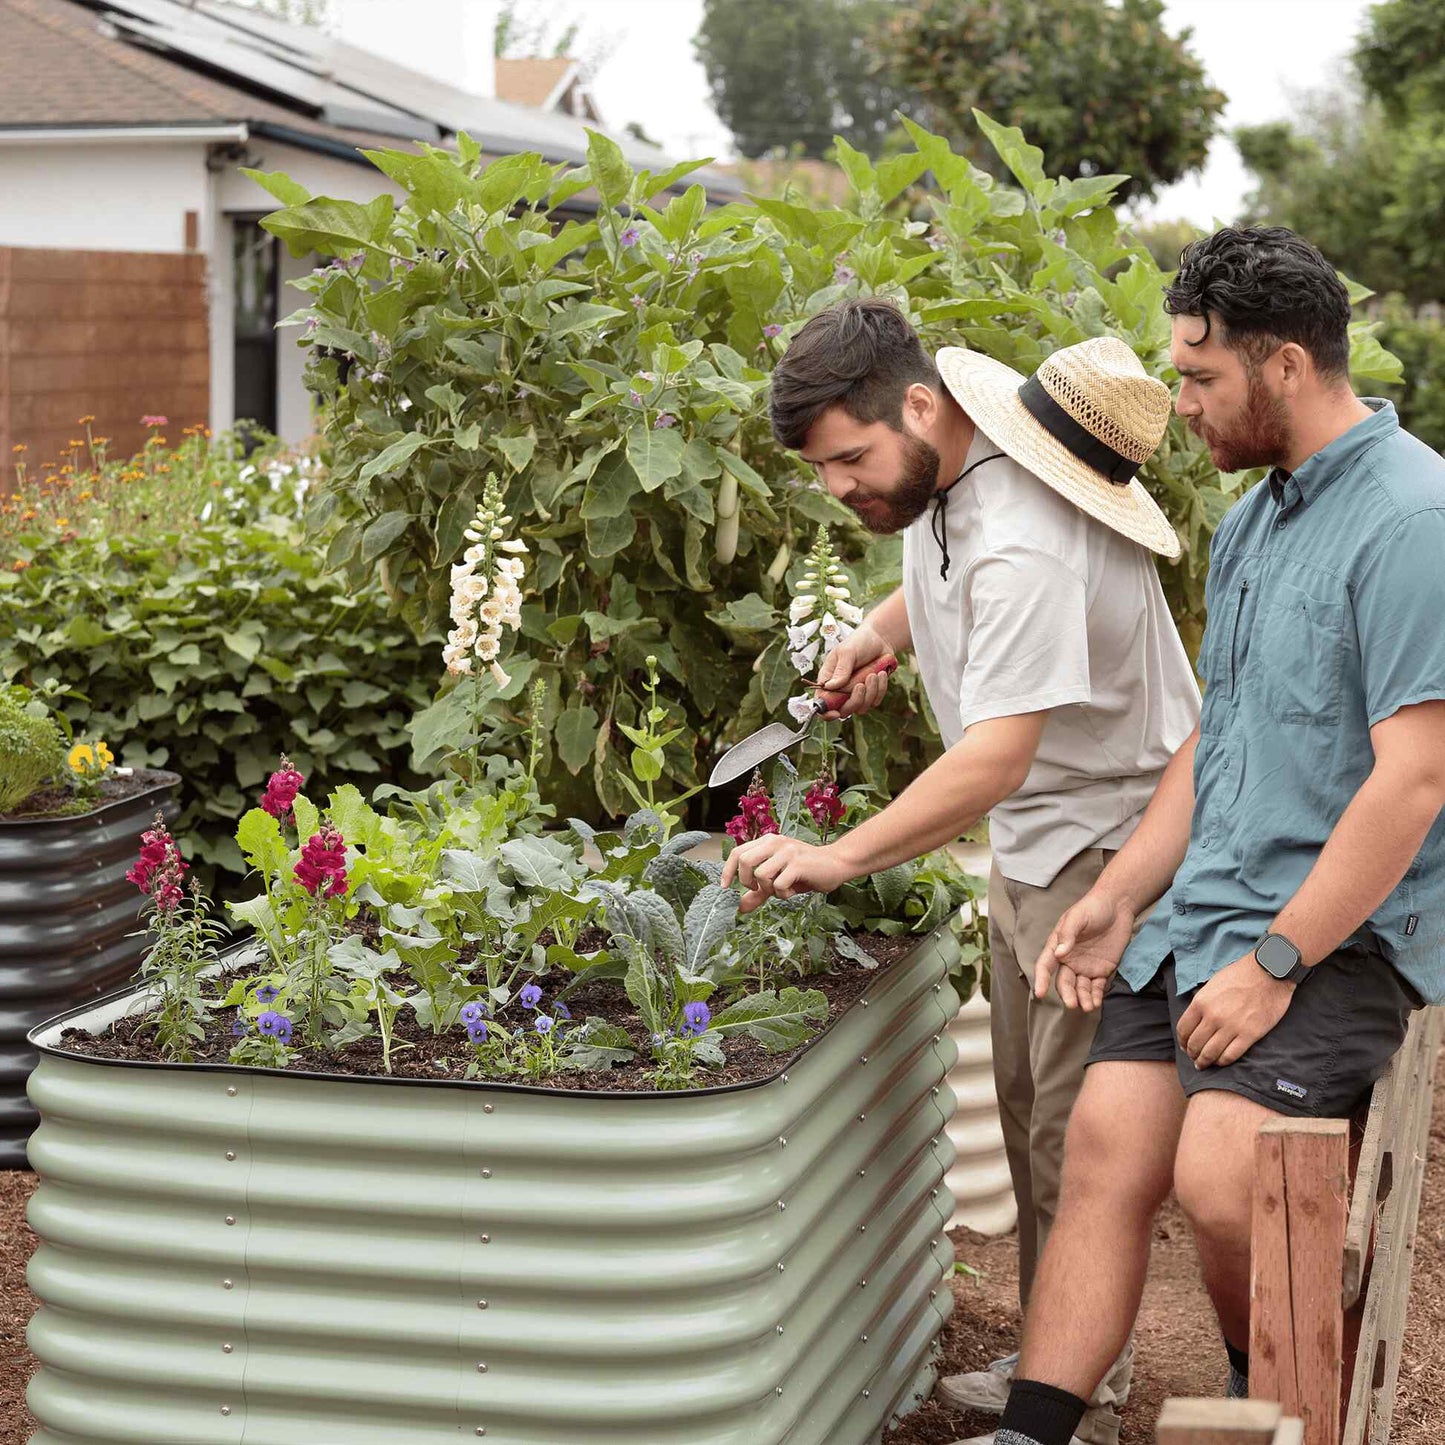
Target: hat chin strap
{"type": "Point", "coordinates": [1111, 465]}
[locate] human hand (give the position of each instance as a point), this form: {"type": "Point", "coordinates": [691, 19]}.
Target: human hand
{"type": "Point", "coordinates": [1084, 950]}
{"type": "Point", "coordinates": [848, 670]}
{"type": "Point", "coordinates": [776, 866]}
{"type": "Point", "coordinates": [1232, 1012]}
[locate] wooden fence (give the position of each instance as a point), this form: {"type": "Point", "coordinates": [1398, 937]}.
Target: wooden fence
{"type": "Point", "coordinates": [1330, 1270]}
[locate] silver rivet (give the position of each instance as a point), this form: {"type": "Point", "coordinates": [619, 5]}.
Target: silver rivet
{"type": "Point", "coordinates": [785, 1078]}
{"type": "Point", "coordinates": [230, 1154]}
{"type": "Point", "coordinates": [481, 1429]}
{"type": "Point", "coordinates": [938, 988]}
{"type": "Point", "coordinates": [862, 1228]}
{"type": "Point", "coordinates": [226, 1349]}
{"type": "Point", "coordinates": [231, 1090]}
{"type": "Point", "coordinates": [780, 1329]}
{"type": "Point", "coordinates": [230, 1219]}
{"type": "Point", "coordinates": [225, 1409]}
{"type": "Point", "coordinates": [485, 1238]}
{"type": "Point", "coordinates": [481, 1304]}
{"type": "Point", "coordinates": [487, 1173]}
{"type": "Point", "coordinates": [936, 1037]}
{"type": "Point", "coordinates": [227, 1284]}
{"type": "Point", "coordinates": [935, 1091]}
{"type": "Point", "coordinates": [780, 1266]}
{"type": "Point", "coordinates": [866, 1394]}
{"type": "Point", "coordinates": [862, 1117]}
{"type": "Point", "coordinates": [783, 1142]}
{"type": "Point", "coordinates": [933, 1294]}
{"type": "Point", "coordinates": [933, 1194]}
{"type": "Point", "coordinates": [481, 1368]}
{"type": "Point", "coordinates": [488, 1108]}
{"type": "Point", "coordinates": [863, 1058]}
{"type": "Point", "coordinates": [864, 1338]}
{"type": "Point", "coordinates": [780, 1390]}
{"type": "Point", "coordinates": [865, 1003]}
{"type": "Point", "coordinates": [862, 1284]}
{"type": "Point", "coordinates": [861, 1173]}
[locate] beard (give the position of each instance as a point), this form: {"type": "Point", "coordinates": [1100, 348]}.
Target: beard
{"type": "Point", "coordinates": [908, 498]}
{"type": "Point", "coordinates": [1260, 436]}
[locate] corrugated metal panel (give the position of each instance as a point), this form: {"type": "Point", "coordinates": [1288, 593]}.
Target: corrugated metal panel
{"type": "Point", "coordinates": [239, 1255]}
{"type": "Point", "coordinates": [982, 1188]}
{"type": "Point", "coordinates": [68, 922]}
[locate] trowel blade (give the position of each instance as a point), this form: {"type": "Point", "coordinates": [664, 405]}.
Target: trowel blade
{"type": "Point", "coordinates": [758, 747]}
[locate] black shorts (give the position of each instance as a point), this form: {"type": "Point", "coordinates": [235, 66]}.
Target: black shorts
{"type": "Point", "coordinates": [1342, 1028]}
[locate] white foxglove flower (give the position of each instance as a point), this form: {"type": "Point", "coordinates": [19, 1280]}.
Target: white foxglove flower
{"type": "Point", "coordinates": [801, 609]}
{"type": "Point", "coordinates": [804, 658]}
{"type": "Point", "coordinates": [798, 636]}
{"type": "Point", "coordinates": [498, 676]}
{"type": "Point", "coordinates": [848, 612]}
{"type": "Point", "coordinates": [486, 598]}
{"type": "Point", "coordinates": [801, 708]}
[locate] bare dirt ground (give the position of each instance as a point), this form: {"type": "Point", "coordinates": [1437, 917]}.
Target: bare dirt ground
{"type": "Point", "coordinates": [1179, 1352]}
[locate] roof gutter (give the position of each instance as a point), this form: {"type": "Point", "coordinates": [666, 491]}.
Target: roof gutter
{"type": "Point", "coordinates": [120, 134]}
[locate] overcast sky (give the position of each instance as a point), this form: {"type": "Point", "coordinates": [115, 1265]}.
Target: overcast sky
{"type": "Point", "coordinates": [1257, 51]}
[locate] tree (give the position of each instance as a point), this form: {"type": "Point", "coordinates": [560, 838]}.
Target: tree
{"type": "Point", "coordinates": [550, 33]}
{"type": "Point", "coordinates": [1100, 87]}
{"type": "Point", "coordinates": [787, 78]}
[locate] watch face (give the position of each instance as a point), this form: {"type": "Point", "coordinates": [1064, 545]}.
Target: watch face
{"type": "Point", "coordinates": [1277, 955]}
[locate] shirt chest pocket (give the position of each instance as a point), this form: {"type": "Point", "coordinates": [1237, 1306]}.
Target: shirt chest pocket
{"type": "Point", "coordinates": [1299, 658]}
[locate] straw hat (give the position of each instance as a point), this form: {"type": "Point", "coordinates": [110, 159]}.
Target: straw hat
{"type": "Point", "coordinates": [1084, 423]}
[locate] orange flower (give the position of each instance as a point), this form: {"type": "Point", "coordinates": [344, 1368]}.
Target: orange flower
{"type": "Point", "coordinates": [85, 496]}
{"type": "Point", "coordinates": [47, 466]}
{"type": "Point", "coordinates": [27, 516]}
{"type": "Point", "coordinates": [19, 565]}
{"type": "Point", "coordinates": [62, 521]}
{"type": "Point", "coordinates": [19, 447]}
{"type": "Point", "coordinates": [101, 441]}
{"type": "Point", "coordinates": [85, 421]}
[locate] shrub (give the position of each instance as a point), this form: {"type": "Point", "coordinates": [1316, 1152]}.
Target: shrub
{"type": "Point", "coordinates": [32, 750]}
{"type": "Point", "coordinates": [1419, 341]}
{"type": "Point", "coordinates": [614, 374]}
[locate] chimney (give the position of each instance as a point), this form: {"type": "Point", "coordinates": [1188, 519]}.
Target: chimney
{"type": "Point", "coordinates": [450, 40]}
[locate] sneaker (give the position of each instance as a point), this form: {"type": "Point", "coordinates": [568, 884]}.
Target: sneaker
{"type": "Point", "coordinates": [1073, 1439]}
{"type": "Point", "coordinates": [987, 1390]}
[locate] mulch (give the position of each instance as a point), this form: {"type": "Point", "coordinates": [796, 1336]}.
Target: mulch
{"type": "Point", "coordinates": [61, 802]}
{"type": "Point", "coordinates": [1178, 1349]}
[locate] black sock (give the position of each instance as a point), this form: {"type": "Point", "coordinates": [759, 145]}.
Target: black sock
{"type": "Point", "coordinates": [1238, 1358]}
{"type": "Point", "coordinates": [1040, 1413]}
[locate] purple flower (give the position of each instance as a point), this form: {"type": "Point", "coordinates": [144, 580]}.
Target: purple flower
{"type": "Point", "coordinates": [635, 397]}
{"type": "Point", "coordinates": [658, 1040]}
{"type": "Point", "coordinates": [695, 1019]}
{"type": "Point", "coordinates": [842, 274]}
{"type": "Point", "coordinates": [473, 1013]}
{"type": "Point", "coordinates": [530, 996]}
{"type": "Point", "coordinates": [665, 419]}
{"type": "Point", "coordinates": [355, 262]}
{"type": "Point", "coordinates": [639, 301]}
{"type": "Point", "coordinates": [562, 1012]}
{"type": "Point", "coordinates": [772, 329]}
{"type": "Point", "coordinates": [477, 1032]}
{"type": "Point", "coordinates": [312, 323]}
{"type": "Point", "coordinates": [630, 237]}
{"type": "Point", "coordinates": [544, 1024]}
{"type": "Point", "coordinates": [240, 1028]}
{"type": "Point", "coordinates": [275, 1026]}
{"type": "Point", "coordinates": [378, 377]}
{"type": "Point", "coordinates": [267, 993]}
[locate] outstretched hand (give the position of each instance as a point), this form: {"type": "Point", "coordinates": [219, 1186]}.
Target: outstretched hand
{"type": "Point", "coordinates": [1084, 950]}
{"type": "Point", "coordinates": [776, 866]}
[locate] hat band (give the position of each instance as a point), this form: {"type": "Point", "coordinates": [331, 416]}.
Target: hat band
{"type": "Point", "coordinates": [1112, 465]}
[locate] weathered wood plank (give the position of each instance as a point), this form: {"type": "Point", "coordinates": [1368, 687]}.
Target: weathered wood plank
{"type": "Point", "coordinates": [1225, 1422]}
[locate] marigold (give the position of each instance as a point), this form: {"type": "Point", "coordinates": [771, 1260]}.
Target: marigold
{"type": "Point", "coordinates": [85, 421]}
{"type": "Point", "coordinates": [20, 447]}
{"type": "Point", "coordinates": [62, 521]}
{"type": "Point", "coordinates": [19, 565]}
{"type": "Point", "coordinates": [76, 444]}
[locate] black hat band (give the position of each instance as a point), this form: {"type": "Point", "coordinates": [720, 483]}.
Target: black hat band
{"type": "Point", "coordinates": [1112, 465]}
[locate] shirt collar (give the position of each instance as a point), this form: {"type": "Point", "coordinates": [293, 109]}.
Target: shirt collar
{"type": "Point", "coordinates": [1317, 472]}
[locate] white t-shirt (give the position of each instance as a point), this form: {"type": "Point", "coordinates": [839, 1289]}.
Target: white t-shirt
{"type": "Point", "coordinates": [1046, 608]}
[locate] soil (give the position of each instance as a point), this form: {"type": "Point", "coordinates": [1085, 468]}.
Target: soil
{"type": "Point", "coordinates": [418, 1053]}
{"type": "Point", "coordinates": [61, 802]}
{"type": "Point", "coordinates": [1178, 1347]}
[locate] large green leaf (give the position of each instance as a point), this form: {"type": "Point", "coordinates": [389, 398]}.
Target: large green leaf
{"type": "Point", "coordinates": [777, 1021]}
{"type": "Point", "coordinates": [655, 454]}
{"type": "Point", "coordinates": [709, 917]}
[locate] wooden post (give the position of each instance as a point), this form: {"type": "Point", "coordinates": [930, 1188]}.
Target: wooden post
{"type": "Point", "coordinates": [1301, 1199]}
{"type": "Point", "coordinates": [1226, 1422]}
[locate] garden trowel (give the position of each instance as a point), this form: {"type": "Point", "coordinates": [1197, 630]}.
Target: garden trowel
{"type": "Point", "coordinates": [768, 742]}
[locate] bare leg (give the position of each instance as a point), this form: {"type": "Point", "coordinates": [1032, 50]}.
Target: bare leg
{"type": "Point", "coordinates": [1118, 1163]}
{"type": "Point", "coordinates": [1214, 1179]}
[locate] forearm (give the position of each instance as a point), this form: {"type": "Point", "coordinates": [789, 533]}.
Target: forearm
{"type": "Point", "coordinates": [1362, 862]}
{"type": "Point", "coordinates": [1145, 866]}
{"type": "Point", "coordinates": [890, 621]}
{"type": "Point", "coordinates": [945, 800]}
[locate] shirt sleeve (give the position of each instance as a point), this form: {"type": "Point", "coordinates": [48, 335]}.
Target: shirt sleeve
{"type": "Point", "coordinates": [1397, 605]}
{"type": "Point", "coordinates": [1028, 646]}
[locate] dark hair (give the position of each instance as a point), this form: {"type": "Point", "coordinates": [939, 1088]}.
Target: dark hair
{"type": "Point", "coordinates": [1266, 286]}
{"type": "Point", "coordinates": [861, 355]}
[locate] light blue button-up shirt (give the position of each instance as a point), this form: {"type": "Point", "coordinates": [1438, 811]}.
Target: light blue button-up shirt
{"type": "Point", "coordinates": [1326, 614]}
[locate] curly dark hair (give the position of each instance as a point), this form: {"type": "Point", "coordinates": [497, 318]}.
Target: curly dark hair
{"type": "Point", "coordinates": [1265, 285]}
{"type": "Point", "coordinates": [861, 355]}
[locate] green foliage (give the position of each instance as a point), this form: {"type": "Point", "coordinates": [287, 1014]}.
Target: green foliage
{"type": "Point", "coordinates": [1419, 342]}
{"type": "Point", "coordinates": [614, 374]}
{"type": "Point", "coordinates": [1101, 87]}
{"type": "Point", "coordinates": [32, 747]}
{"type": "Point", "coordinates": [788, 78]}
{"type": "Point", "coordinates": [210, 654]}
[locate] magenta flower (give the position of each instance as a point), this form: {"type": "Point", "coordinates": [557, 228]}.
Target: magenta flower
{"type": "Point", "coordinates": [282, 788]}
{"type": "Point", "coordinates": [755, 813]}
{"type": "Point", "coordinates": [322, 868]}
{"type": "Point", "coordinates": [159, 868]}
{"type": "Point", "coordinates": [772, 329]}
{"type": "Point", "coordinates": [630, 236]}
{"type": "Point", "coordinates": [154, 420]}
{"type": "Point", "coordinates": [823, 802]}
{"type": "Point", "coordinates": [665, 419]}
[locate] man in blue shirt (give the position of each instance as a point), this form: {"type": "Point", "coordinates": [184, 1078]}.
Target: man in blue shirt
{"type": "Point", "coordinates": [1294, 847]}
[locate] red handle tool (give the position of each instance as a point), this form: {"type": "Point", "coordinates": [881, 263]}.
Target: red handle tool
{"type": "Point", "coordinates": [834, 700]}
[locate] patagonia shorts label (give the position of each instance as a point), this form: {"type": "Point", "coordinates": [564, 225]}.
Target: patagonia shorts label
{"type": "Point", "coordinates": [1295, 1091]}
{"type": "Point", "coordinates": [1411, 924]}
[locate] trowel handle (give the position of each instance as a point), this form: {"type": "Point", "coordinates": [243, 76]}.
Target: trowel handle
{"type": "Point", "coordinates": [887, 665]}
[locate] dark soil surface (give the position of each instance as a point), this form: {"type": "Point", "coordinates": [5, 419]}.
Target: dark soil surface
{"type": "Point", "coordinates": [418, 1053]}
{"type": "Point", "coordinates": [62, 803]}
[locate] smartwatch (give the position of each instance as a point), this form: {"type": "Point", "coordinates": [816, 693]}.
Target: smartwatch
{"type": "Point", "coordinates": [1279, 958]}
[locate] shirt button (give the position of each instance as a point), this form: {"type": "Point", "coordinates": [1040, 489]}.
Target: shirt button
{"type": "Point", "coordinates": [1179, 908]}
{"type": "Point", "coordinates": [1279, 525]}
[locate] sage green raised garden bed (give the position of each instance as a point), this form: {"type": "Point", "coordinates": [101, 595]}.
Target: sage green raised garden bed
{"type": "Point", "coordinates": [243, 1255]}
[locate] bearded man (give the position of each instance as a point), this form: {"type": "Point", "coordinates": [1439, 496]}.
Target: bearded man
{"type": "Point", "coordinates": [1032, 605]}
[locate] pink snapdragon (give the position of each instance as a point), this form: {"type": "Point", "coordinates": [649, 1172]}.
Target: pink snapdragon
{"type": "Point", "coordinates": [755, 813]}
{"type": "Point", "coordinates": [281, 789]}
{"type": "Point", "coordinates": [823, 802]}
{"type": "Point", "coordinates": [322, 867]}
{"type": "Point", "coordinates": [159, 868]}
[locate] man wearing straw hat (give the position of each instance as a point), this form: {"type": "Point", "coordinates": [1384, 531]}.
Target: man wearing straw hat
{"type": "Point", "coordinates": [1031, 602]}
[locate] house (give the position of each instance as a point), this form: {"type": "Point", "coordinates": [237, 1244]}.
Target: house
{"type": "Point", "coordinates": [135, 277]}
{"type": "Point", "coordinates": [546, 83]}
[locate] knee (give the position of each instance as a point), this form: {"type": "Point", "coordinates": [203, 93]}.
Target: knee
{"type": "Point", "coordinates": [1215, 1200]}
{"type": "Point", "coordinates": [1103, 1165]}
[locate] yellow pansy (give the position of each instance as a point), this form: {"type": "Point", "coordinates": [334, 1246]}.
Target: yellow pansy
{"type": "Point", "coordinates": [81, 758]}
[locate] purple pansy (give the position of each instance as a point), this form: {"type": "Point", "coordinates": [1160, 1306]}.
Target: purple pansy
{"type": "Point", "coordinates": [275, 1026]}
{"type": "Point", "coordinates": [530, 996]}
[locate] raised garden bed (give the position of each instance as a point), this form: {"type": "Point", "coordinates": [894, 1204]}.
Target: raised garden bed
{"type": "Point", "coordinates": [69, 921]}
